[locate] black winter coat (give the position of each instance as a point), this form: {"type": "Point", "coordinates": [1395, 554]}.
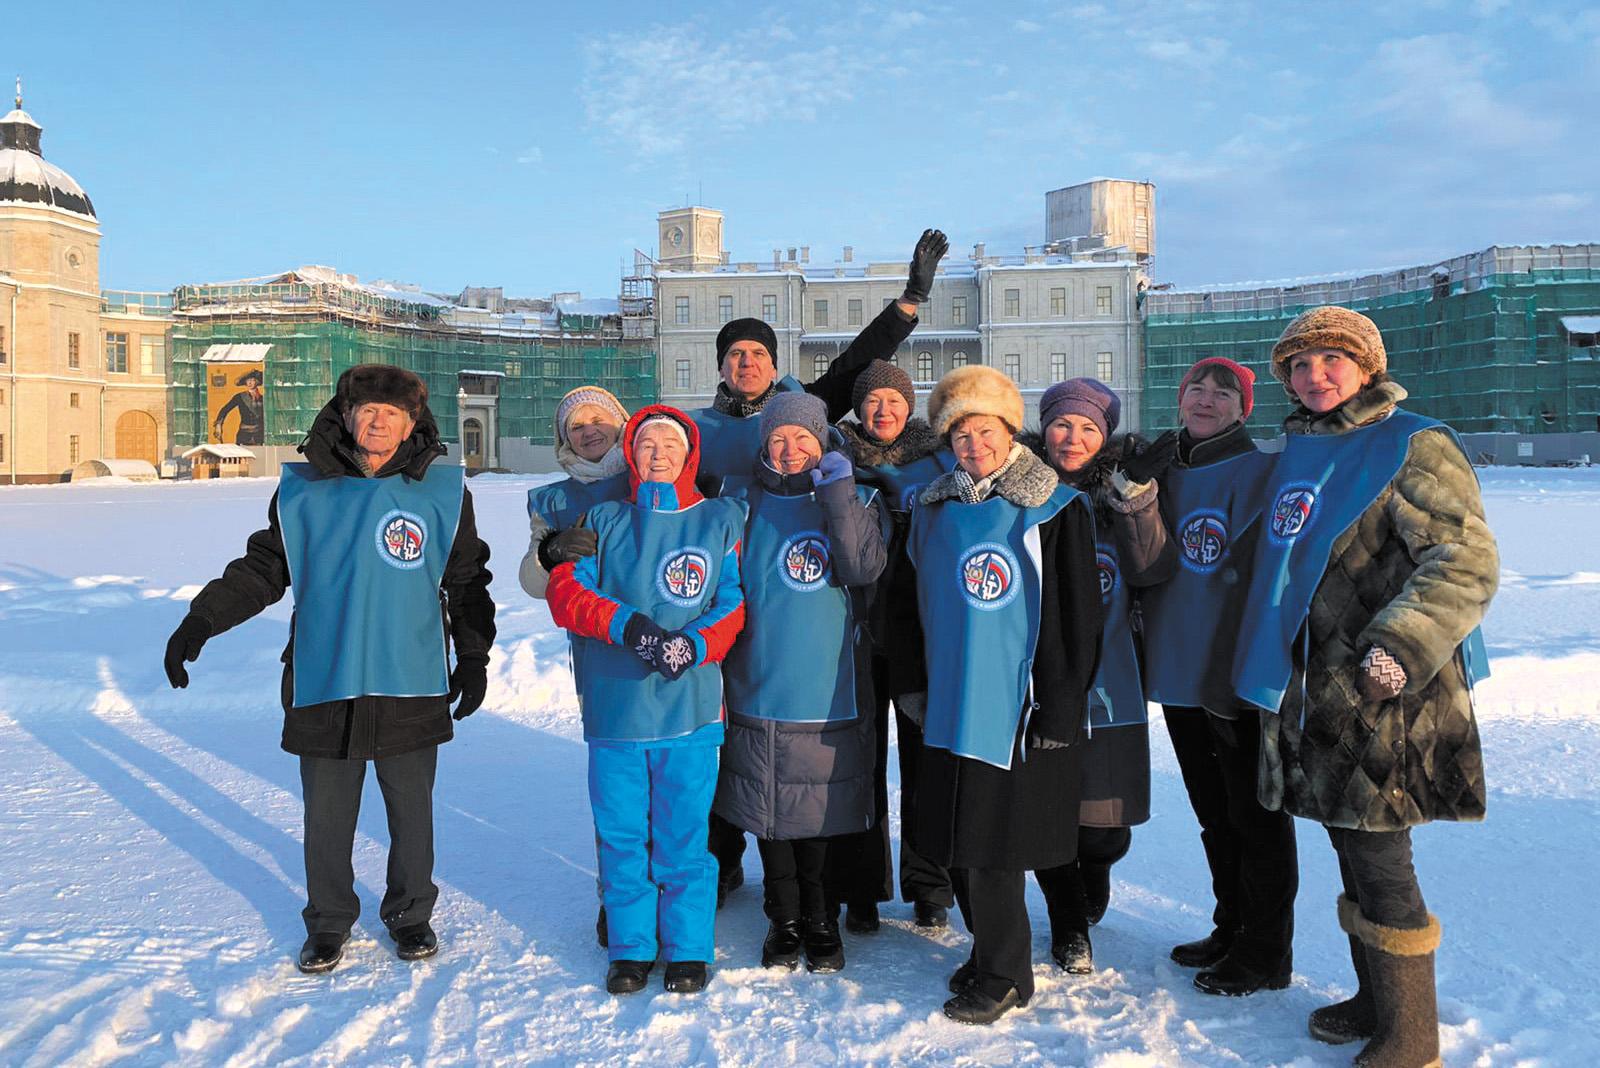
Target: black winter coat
{"type": "Point", "coordinates": [365, 728]}
{"type": "Point", "coordinates": [974, 815]}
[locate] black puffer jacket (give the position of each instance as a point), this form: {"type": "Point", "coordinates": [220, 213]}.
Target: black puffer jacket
{"type": "Point", "coordinates": [367, 727]}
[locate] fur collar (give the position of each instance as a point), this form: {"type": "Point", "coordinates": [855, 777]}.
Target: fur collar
{"type": "Point", "coordinates": [1027, 483]}
{"type": "Point", "coordinates": [1375, 401]}
{"type": "Point", "coordinates": [1094, 479]}
{"type": "Point", "coordinates": [916, 440]}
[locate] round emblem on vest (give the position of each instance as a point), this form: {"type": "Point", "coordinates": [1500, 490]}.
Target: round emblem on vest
{"type": "Point", "coordinates": [1110, 576]}
{"type": "Point", "coordinates": [803, 561]}
{"type": "Point", "coordinates": [989, 579]}
{"type": "Point", "coordinates": [682, 574]}
{"type": "Point", "coordinates": [402, 537]}
{"type": "Point", "coordinates": [1203, 541]}
{"type": "Point", "coordinates": [1291, 512]}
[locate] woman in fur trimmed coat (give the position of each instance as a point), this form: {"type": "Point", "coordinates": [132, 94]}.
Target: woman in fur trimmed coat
{"type": "Point", "coordinates": [1010, 611]}
{"type": "Point", "coordinates": [1373, 571]}
{"type": "Point", "coordinates": [1132, 550]}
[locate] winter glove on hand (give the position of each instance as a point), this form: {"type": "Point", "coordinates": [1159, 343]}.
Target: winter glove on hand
{"type": "Point", "coordinates": [644, 638]}
{"type": "Point", "coordinates": [185, 645]}
{"type": "Point", "coordinates": [833, 467]}
{"type": "Point", "coordinates": [924, 261]}
{"type": "Point", "coordinates": [468, 682]}
{"type": "Point", "coordinates": [565, 546]}
{"type": "Point", "coordinates": [1154, 460]}
{"type": "Point", "coordinates": [676, 656]}
{"type": "Point", "coordinates": [1380, 676]}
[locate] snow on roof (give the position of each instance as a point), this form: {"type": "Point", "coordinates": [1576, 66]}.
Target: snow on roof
{"type": "Point", "coordinates": [592, 306]}
{"type": "Point", "coordinates": [1581, 324]}
{"type": "Point", "coordinates": [237, 353]}
{"type": "Point", "coordinates": [220, 452]}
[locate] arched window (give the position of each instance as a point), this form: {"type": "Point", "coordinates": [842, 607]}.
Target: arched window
{"type": "Point", "coordinates": [958, 360]}
{"type": "Point", "coordinates": [924, 367]}
{"type": "Point", "coordinates": [819, 365]}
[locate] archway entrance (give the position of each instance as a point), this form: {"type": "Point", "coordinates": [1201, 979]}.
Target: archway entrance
{"type": "Point", "coordinates": [472, 442]}
{"type": "Point", "coordinates": [137, 438]}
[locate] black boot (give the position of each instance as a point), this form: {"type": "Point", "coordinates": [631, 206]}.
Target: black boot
{"type": "Point", "coordinates": [1205, 952]}
{"type": "Point", "coordinates": [782, 946]}
{"type": "Point", "coordinates": [628, 976]}
{"type": "Point", "coordinates": [1400, 965]}
{"type": "Point", "coordinates": [1355, 1017]}
{"type": "Point", "coordinates": [963, 977]}
{"type": "Point", "coordinates": [686, 977]}
{"type": "Point", "coordinates": [322, 952]}
{"type": "Point", "coordinates": [1235, 977]}
{"type": "Point", "coordinates": [600, 934]}
{"type": "Point", "coordinates": [1073, 954]}
{"type": "Point", "coordinates": [974, 1006]}
{"type": "Point", "coordinates": [862, 918]}
{"type": "Point", "coordinates": [932, 915]}
{"type": "Point", "coordinates": [415, 942]}
{"type": "Point", "coordinates": [1096, 890]}
{"type": "Point", "coordinates": [824, 950]}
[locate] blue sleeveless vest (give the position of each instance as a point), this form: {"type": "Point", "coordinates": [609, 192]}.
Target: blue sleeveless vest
{"type": "Point", "coordinates": [561, 504]}
{"type": "Point", "coordinates": [666, 565]}
{"type": "Point", "coordinates": [899, 484]}
{"type": "Point", "coordinates": [979, 588]}
{"type": "Point", "coordinates": [730, 444]}
{"type": "Point", "coordinates": [1320, 486]}
{"type": "Point", "coordinates": [1184, 617]}
{"type": "Point", "coordinates": [1117, 697]}
{"type": "Point", "coordinates": [366, 557]}
{"type": "Point", "coordinates": [795, 659]}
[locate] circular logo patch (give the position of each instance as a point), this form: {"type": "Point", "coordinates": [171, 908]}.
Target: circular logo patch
{"type": "Point", "coordinates": [681, 576]}
{"type": "Point", "coordinates": [1203, 541]}
{"type": "Point", "coordinates": [803, 561]}
{"type": "Point", "coordinates": [1110, 577]}
{"type": "Point", "coordinates": [402, 537]}
{"type": "Point", "coordinates": [989, 576]}
{"type": "Point", "coordinates": [1292, 511]}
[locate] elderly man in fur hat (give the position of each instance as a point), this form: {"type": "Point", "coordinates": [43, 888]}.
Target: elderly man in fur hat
{"type": "Point", "coordinates": [379, 544]}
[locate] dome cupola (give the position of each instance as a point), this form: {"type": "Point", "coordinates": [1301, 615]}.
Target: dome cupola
{"type": "Point", "coordinates": [25, 177]}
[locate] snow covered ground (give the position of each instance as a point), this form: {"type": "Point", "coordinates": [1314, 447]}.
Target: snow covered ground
{"type": "Point", "coordinates": [151, 878]}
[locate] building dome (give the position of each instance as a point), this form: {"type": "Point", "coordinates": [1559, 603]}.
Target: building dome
{"type": "Point", "coordinates": [25, 178]}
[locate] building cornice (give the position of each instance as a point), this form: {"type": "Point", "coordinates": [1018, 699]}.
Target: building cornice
{"type": "Point", "coordinates": [52, 214]}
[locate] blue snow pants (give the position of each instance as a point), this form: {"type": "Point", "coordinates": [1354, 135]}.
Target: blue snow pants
{"type": "Point", "coordinates": [656, 874]}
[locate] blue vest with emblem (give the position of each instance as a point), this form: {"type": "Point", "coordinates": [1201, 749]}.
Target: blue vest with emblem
{"type": "Point", "coordinates": [795, 659]}
{"type": "Point", "coordinates": [979, 587]}
{"type": "Point", "coordinates": [730, 444]}
{"type": "Point", "coordinates": [666, 564]}
{"type": "Point", "coordinates": [1320, 486]}
{"type": "Point", "coordinates": [1185, 617]}
{"type": "Point", "coordinates": [561, 504]}
{"type": "Point", "coordinates": [366, 558]}
{"type": "Point", "coordinates": [900, 483]}
{"type": "Point", "coordinates": [1117, 697]}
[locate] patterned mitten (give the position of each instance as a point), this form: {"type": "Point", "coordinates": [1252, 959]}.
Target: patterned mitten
{"type": "Point", "coordinates": [1380, 677]}
{"type": "Point", "coordinates": [676, 655]}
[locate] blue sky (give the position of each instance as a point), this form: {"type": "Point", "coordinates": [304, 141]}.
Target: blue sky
{"type": "Point", "coordinates": [531, 147]}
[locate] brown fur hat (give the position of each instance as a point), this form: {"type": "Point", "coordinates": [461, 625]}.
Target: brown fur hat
{"type": "Point", "coordinates": [380, 383]}
{"type": "Point", "coordinates": [976, 389]}
{"type": "Point", "coordinates": [1330, 327]}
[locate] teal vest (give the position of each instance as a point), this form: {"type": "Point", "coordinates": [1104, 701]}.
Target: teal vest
{"type": "Point", "coordinates": [366, 558]}
{"type": "Point", "coordinates": [666, 565]}
{"type": "Point", "coordinates": [795, 659]}
{"type": "Point", "coordinates": [729, 444]}
{"type": "Point", "coordinates": [561, 504]}
{"type": "Point", "coordinates": [980, 581]}
{"type": "Point", "coordinates": [1319, 488]}
{"type": "Point", "coordinates": [1185, 618]}
{"type": "Point", "coordinates": [1117, 697]}
{"type": "Point", "coordinates": [899, 484]}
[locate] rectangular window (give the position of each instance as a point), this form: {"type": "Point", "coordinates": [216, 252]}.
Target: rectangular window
{"type": "Point", "coordinates": [117, 353]}
{"type": "Point", "coordinates": [681, 305]}
{"type": "Point", "coordinates": [924, 367]}
{"type": "Point", "coordinates": [72, 400]}
{"type": "Point", "coordinates": [2, 396]}
{"type": "Point", "coordinates": [1058, 301]}
{"type": "Point", "coordinates": [2, 448]}
{"type": "Point", "coordinates": [958, 311]}
{"type": "Point", "coordinates": [1014, 366]}
{"type": "Point", "coordinates": [683, 374]}
{"type": "Point", "coordinates": [74, 351]}
{"type": "Point", "coordinates": [152, 355]}
{"type": "Point", "coordinates": [819, 313]}
{"type": "Point", "coordinates": [886, 302]}
{"type": "Point", "coordinates": [1102, 366]}
{"type": "Point", "coordinates": [2, 344]}
{"type": "Point", "coordinates": [72, 448]}
{"type": "Point", "coordinates": [513, 368]}
{"type": "Point", "coordinates": [1102, 300]}
{"type": "Point", "coordinates": [852, 312]}
{"type": "Point", "coordinates": [1013, 302]}
{"type": "Point", "coordinates": [724, 308]}
{"type": "Point", "coordinates": [1058, 367]}
{"type": "Point", "coordinates": [769, 307]}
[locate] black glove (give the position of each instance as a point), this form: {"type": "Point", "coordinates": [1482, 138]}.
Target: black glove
{"type": "Point", "coordinates": [564, 546]}
{"type": "Point", "coordinates": [185, 645]}
{"type": "Point", "coordinates": [644, 638]}
{"type": "Point", "coordinates": [1154, 460]}
{"type": "Point", "coordinates": [677, 655]}
{"type": "Point", "coordinates": [931, 247]}
{"type": "Point", "coordinates": [468, 682]}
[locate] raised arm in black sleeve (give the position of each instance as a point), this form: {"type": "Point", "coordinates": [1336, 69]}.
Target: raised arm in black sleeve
{"type": "Point", "coordinates": [877, 341]}
{"type": "Point", "coordinates": [249, 584]}
{"type": "Point", "coordinates": [466, 588]}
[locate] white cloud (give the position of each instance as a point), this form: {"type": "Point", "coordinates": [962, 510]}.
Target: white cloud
{"type": "Point", "coordinates": [1198, 53]}
{"type": "Point", "coordinates": [1439, 83]}
{"type": "Point", "coordinates": [531, 154]}
{"type": "Point", "coordinates": [1025, 26]}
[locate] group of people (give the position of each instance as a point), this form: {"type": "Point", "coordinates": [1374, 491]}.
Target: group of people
{"type": "Point", "coordinates": [750, 586]}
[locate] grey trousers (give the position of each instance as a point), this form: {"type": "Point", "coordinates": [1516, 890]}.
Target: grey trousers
{"type": "Point", "coordinates": [332, 792]}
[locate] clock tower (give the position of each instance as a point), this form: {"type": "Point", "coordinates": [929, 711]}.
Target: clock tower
{"type": "Point", "coordinates": [689, 238]}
